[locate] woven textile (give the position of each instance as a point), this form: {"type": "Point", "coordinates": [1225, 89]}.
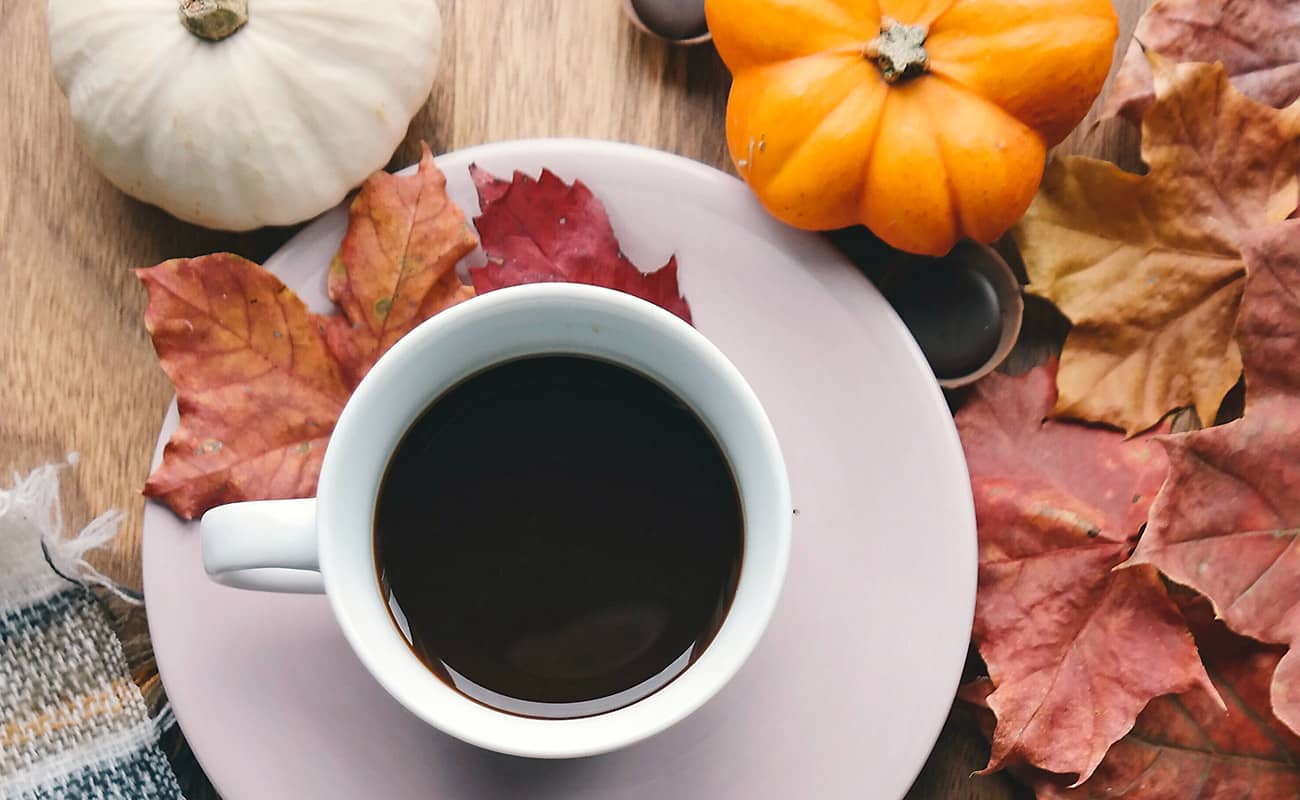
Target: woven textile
{"type": "Point", "coordinates": [72, 722]}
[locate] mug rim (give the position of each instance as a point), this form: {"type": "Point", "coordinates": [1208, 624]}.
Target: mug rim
{"type": "Point", "coordinates": [420, 690]}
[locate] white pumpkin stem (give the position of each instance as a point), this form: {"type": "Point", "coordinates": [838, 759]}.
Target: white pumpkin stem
{"type": "Point", "coordinates": [213, 20]}
{"type": "Point", "coordinates": [899, 51]}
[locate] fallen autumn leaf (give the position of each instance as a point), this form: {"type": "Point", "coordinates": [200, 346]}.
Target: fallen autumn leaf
{"type": "Point", "coordinates": [1187, 747]}
{"type": "Point", "coordinates": [1074, 648]}
{"type": "Point", "coordinates": [1227, 520]}
{"type": "Point", "coordinates": [1148, 268]}
{"type": "Point", "coordinates": [396, 266]}
{"type": "Point", "coordinates": [258, 390]}
{"type": "Point", "coordinates": [547, 230]}
{"type": "Point", "coordinates": [1258, 42]}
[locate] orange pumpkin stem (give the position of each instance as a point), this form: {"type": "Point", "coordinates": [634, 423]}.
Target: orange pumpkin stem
{"type": "Point", "coordinates": [899, 50]}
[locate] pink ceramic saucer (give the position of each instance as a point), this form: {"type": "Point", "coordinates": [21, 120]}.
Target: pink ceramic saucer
{"type": "Point", "coordinates": [848, 689]}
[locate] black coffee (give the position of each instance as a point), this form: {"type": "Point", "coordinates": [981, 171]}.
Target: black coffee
{"type": "Point", "coordinates": [558, 536]}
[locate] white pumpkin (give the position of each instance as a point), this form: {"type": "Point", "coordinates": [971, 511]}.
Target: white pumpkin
{"type": "Point", "coordinates": [236, 114]}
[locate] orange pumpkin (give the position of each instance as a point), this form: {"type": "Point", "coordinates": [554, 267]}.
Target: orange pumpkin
{"type": "Point", "coordinates": [925, 120]}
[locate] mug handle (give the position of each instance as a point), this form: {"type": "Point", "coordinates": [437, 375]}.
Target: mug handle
{"type": "Point", "coordinates": [266, 545]}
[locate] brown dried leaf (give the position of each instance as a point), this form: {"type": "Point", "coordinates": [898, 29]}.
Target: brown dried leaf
{"type": "Point", "coordinates": [1148, 268]}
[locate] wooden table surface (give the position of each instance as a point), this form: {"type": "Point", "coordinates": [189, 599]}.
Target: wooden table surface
{"type": "Point", "coordinates": [77, 371]}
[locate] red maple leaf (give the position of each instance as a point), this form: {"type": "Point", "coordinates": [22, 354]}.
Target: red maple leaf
{"type": "Point", "coordinates": [546, 230]}
{"type": "Point", "coordinates": [1075, 648]}
{"type": "Point", "coordinates": [1186, 747]}
{"type": "Point", "coordinates": [1227, 521]}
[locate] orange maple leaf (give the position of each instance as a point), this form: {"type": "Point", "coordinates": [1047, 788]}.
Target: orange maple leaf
{"type": "Point", "coordinates": [260, 381]}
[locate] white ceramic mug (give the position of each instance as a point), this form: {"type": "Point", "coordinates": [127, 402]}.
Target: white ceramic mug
{"type": "Point", "coordinates": [326, 543]}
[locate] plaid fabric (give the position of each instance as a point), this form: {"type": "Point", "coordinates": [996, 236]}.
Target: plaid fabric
{"type": "Point", "coordinates": [72, 722]}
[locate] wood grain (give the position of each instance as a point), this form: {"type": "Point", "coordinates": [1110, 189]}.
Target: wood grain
{"type": "Point", "coordinates": [77, 372]}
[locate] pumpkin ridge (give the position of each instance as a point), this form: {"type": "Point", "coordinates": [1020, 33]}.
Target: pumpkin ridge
{"type": "Point", "coordinates": [745, 43]}
{"type": "Point", "coordinates": [271, 55]}
{"type": "Point", "coordinates": [954, 201]}
{"type": "Point", "coordinates": [928, 20]}
{"type": "Point", "coordinates": [850, 51]}
{"type": "Point", "coordinates": [1075, 18]}
{"type": "Point", "coordinates": [147, 86]}
{"type": "Point", "coordinates": [875, 137]}
{"type": "Point", "coordinates": [940, 65]}
{"type": "Point", "coordinates": [847, 20]}
{"type": "Point", "coordinates": [969, 92]}
{"type": "Point", "coordinates": [792, 157]}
